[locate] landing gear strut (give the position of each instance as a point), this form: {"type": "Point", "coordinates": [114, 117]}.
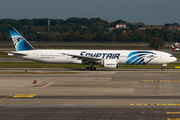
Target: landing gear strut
{"type": "Point", "coordinates": [163, 69]}
{"type": "Point", "coordinates": [90, 66]}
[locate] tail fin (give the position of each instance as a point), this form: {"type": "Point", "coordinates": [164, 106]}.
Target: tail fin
{"type": "Point", "coordinates": [20, 43]}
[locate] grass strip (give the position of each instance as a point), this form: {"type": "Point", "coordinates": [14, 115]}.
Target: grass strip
{"type": "Point", "coordinates": [38, 65]}
{"type": "Point", "coordinates": [43, 65]}
{"type": "Point", "coordinates": [169, 66]}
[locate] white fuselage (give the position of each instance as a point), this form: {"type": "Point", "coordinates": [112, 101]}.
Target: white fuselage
{"type": "Point", "coordinates": [133, 57]}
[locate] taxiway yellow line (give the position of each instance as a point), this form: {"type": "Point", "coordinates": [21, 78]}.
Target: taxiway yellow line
{"type": "Point", "coordinates": [173, 118]}
{"type": "Point", "coordinates": [173, 112]}
{"type": "Point", "coordinates": [6, 97]}
{"type": "Point", "coordinates": [162, 73]}
{"type": "Point", "coordinates": [155, 104]}
{"type": "Point", "coordinates": [161, 80]}
{"type": "Point", "coordinates": [24, 95]}
{"type": "Point", "coordinates": [177, 67]}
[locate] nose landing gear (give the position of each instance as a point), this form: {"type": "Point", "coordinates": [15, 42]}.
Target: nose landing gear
{"type": "Point", "coordinates": [163, 69]}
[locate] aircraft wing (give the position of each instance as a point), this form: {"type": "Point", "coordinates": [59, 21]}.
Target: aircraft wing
{"type": "Point", "coordinates": [86, 58]}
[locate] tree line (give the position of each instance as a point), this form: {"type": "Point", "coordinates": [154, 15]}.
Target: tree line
{"type": "Point", "coordinates": [83, 30]}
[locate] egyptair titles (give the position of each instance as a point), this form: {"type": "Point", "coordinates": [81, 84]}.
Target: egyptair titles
{"type": "Point", "coordinates": [101, 55]}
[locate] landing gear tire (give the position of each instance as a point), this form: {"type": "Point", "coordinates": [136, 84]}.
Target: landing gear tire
{"type": "Point", "coordinates": [162, 69]}
{"type": "Point", "coordinates": [88, 68]}
{"type": "Point", "coordinates": [94, 68]}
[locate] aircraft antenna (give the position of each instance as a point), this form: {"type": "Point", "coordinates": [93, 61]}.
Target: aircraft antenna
{"type": "Point", "coordinates": [48, 25]}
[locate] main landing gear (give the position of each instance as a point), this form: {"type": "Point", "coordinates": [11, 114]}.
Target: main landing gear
{"type": "Point", "coordinates": [90, 66]}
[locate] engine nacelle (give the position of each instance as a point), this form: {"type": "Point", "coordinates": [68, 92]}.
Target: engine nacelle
{"type": "Point", "coordinates": [110, 63]}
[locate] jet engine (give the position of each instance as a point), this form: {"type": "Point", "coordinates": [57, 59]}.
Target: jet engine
{"type": "Point", "coordinates": [109, 63]}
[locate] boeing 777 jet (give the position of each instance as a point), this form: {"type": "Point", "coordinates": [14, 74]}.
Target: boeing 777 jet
{"type": "Point", "coordinates": [105, 58]}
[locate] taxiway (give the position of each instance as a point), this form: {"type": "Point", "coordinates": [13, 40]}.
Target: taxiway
{"type": "Point", "coordinates": [91, 95]}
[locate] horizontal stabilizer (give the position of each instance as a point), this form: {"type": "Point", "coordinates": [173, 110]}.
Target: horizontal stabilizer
{"type": "Point", "coordinates": [19, 54]}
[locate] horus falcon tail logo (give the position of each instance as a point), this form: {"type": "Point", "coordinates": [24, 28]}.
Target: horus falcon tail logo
{"type": "Point", "coordinates": [19, 42]}
{"type": "Point", "coordinates": [140, 58]}
{"type": "Point", "coordinates": [16, 39]}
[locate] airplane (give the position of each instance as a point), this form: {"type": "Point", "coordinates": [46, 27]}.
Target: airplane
{"type": "Point", "coordinates": [105, 58]}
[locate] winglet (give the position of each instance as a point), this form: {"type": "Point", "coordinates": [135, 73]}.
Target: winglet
{"type": "Point", "coordinates": [20, 43]}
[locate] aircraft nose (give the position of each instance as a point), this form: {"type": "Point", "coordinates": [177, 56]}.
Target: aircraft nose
{"type": "Point", "coordinates": [173, 59]}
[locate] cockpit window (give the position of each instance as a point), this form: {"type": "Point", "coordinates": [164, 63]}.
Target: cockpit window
{"type": "Point", "coordinates": [171, 56]}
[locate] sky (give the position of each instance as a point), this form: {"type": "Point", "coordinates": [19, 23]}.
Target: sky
{"type": "Point", "coordinates": [153, 12]}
